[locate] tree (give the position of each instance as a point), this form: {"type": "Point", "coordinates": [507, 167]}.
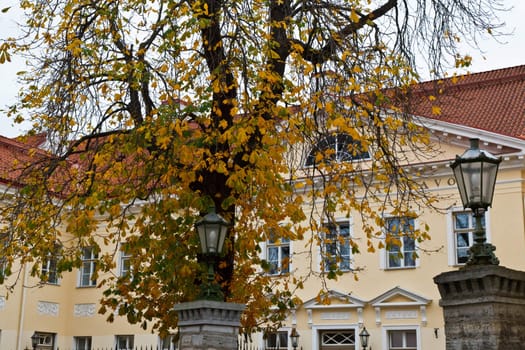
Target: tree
{"type": "Point", "coordinates": [157, 110]}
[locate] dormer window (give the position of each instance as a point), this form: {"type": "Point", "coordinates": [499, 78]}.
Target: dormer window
{"type": "Point", "coordinates": [336, 148]}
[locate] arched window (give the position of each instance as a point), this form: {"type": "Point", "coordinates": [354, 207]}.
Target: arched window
{"type": "Point", "coordinates": [338, 148]}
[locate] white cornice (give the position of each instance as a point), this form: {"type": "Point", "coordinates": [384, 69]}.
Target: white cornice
{"type": "Point", "coordinates": [459, 134]}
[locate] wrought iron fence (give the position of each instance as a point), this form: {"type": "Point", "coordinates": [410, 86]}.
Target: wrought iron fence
{"type": "Point", "coordinates": [243, 343]}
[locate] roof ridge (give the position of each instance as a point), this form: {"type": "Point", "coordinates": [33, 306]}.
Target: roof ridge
{"type": "Point", "coordinates": [14, 143]}
{"type": "Point", "coordinates": [514, 76]}
{"type": "Point", "coordinates": [470, 80]}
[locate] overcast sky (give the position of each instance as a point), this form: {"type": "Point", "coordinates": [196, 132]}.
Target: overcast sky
{"type": "Point", "coordinates": [510, 51]}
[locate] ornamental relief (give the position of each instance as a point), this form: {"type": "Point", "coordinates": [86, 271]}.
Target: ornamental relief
{"type": "Point", "coordinates": [47, 308]}
{"type": "Point", "coordinates": [401, 314]}
{"type": "Point", "coordinates": [84, 310]}
{"type": "Point", "coordinates": [335, 315]}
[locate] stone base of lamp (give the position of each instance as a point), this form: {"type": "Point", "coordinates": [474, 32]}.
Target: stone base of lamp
{"type": "Point", "coordinates": [207, 324]}
{"type": "Point", "coordinates": [483, 307]}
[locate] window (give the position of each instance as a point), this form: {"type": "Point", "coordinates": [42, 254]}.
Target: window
{"type": "Point", "coordinates": [338, 148]}
{"type": "Point", "coordinates": [278, 255]}
{"type": "Point", "coordinates": [402, 340]}
{"type": "Point", "coordinates": [124, 342]}
{"type": "Point", "coordinates": [45, 341]}
{"type": "Point", "coordinates": [336, 247]}
{"type": "Point", "coordinates": [463, 224]}
{"type": "Point", "coordinates": [49, 270]}
{"type": "Point", "coordinates": [87, 269]}
{"type": "Point", "coordinates": [3, 269]}
{"type": "Point", "coordinates": [82, 343]}
{"type": "Point", "coordinates": [169, 342]}
{"type": "Point", "coordinates": [402, 252]}
{"type": "Point", "coordinates": [125, 262]}
{"type": "Point", "coordinates": [338, 339]}
{"type": "Point", "coordinates": [4, 266]}
{"type": "Point", "coordinates": [276, 341]}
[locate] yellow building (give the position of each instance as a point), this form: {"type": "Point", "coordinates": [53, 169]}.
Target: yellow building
{"type": "Point", "coordinates": [395, 299]}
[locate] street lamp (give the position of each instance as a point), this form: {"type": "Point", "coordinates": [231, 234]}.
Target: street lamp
{"type": "Point", "coordinates": [294, 337]}
{"type": "Point", "coordinates": [34, 340]}
{"type": "Point", "coordinates": [212, 229]}
{"type": "Point", "coordinates": [475, 172]}
{"type": "Point", "coordinates": [363, 337]}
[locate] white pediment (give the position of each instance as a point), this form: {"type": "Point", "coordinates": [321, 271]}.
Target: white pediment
{"type": "Point", "coordinates": [400, 304]}
{"type": "Point", "coordinates": [334, 299]}
{"type": "Point", "coordinates": [398, 296]}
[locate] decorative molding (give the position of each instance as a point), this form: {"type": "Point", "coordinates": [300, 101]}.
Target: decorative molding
{"type": "Point", "coordinates": [400, 314]}
{"type": "Point", "coordinates": [360, 320]}
{"type": "Point", "coordinates": [423, 309]}
{"type": "Point", "coordinates": [310, 317]}
{"type": "Point", "coordinates": [294, 318]}
{"type": "Point", "coordinates": [378, 315]}
{"type": "Point", "coordinates": [84, 310]}
{"type": "Point", "coordinates": [335, 315]}
{"type": "Point", "coordinates": [2, 303]}
{"type": "Point", "coordinates": [47, 308]}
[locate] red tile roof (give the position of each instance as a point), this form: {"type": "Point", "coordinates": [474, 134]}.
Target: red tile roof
{"type": "Point", "coordinates": [493, 101]}
{"type": "Point", "coordinates": [14, 157]}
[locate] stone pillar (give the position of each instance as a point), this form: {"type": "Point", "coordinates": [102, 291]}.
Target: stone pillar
{"type": "Point", "coordinates": [483, 307]}
{"type": "Point", "coordinates": [207, 325]}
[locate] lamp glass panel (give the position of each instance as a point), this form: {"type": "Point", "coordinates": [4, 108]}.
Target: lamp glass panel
{"type": "Point", "coordinates": [295, 341]}
{"type": "Point", "coordinates": [490, 171]}
{"type": "Point", "coordinates": [473, 180]}
{"type": "Point", "coordinates": [458, 174]}
{"type": "Point", "coordinates": [202, 237]}
{"type": "Point", "coordinates": [363, 337]}
{"type": "Point", "coordinates": [223, 230]}
{"type": "Point", "coordinates": [212, 237]}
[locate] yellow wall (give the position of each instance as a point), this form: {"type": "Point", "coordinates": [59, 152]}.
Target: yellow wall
{"type": "Point", "coordinates": [20, 312]}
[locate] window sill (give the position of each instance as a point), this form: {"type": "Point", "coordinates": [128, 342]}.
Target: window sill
{"type": "Point", "coordinates": [400, 268]}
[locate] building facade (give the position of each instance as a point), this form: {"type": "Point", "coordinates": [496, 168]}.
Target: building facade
{"type": "Point", "coordinates": [395, 297]}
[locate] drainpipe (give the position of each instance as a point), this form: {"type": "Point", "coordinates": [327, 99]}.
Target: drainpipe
{"type": "Point", "coordinates": [22, 311]}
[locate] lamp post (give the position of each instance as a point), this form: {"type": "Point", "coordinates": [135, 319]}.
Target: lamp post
{"type": "Point", "coordinates": [475, 172]}
{"type": "Point", "coordinates": [34, 340]}
{"type": "Point", "coordinates": [294, 337]}
{"type": "Point", "coordinates": [363, 337]}
{"type": "Point", "coordinates": [212, 229]}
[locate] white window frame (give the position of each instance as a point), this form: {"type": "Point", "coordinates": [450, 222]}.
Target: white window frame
{"type": "Point", "coordinates": [451, 234]}
{"type": "Point", "coordinates": [338, 222]}
{"type": "Point", "coordinates": [318, 329]}
{"type": "Point", "coordinates": [49, 270]}
{"type": "Point", "coordinates": [87, 268]}
{"type": "Point", "coordinates": [88, 343]}
{"type": "Point", "coordinates": [279, 246]}
{"type": "Point", "coordinates": [128, 339]}
{"type": "Point", "coordinates": [386, 253]}
{"type": "Point", "coordinates": [167, 343]}
{"type": "Point", "coordinates": [279, 331]}
{"type": "Point", "coordinates": [334, 142]}
{"type": "Point", "coordinates": [45, 341]}
{"type": "Point", "coordinates": [387, 329]}
{"type": "Point", "coordinates": [124, 260]}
